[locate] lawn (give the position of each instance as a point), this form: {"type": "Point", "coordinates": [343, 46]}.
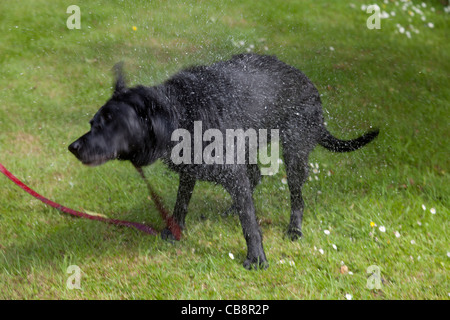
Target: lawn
{"type": "Point", "coordinates": [386, 205]}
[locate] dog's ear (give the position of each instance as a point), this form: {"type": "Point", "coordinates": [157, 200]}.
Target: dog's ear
{"type": "Point", "coordinates": [162, 127]}
{"type": "Point", "coordinates": [120, 85]}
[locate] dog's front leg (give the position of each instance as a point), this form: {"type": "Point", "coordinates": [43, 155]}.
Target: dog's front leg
{"type": "Point", "coordinates": [241, 192]}
{"type": "Point", "coordinates": [185, 189]}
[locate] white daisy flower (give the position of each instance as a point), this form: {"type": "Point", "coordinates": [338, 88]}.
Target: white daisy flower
{"type": "Point", "coordinates": [433, 211]}
{"type": "Point", "coordinates": [231, 256]}
{"type": "Point", "coordinates": [384, 15]}
{"type": "Point", "coordinates": [321, 251]}
{"type": "Point", "coordinates": [382, 229]}
{"type": "Point", "coordinates": [327, 232]}
{"type": "Point", "coordinates": [423, 207]}
{"type": "Point", "coordinates": [348, 296]}
{"type": "Point", "coordinates": [430, 25]}
{"type": "Point", "coordinates": [334, 246]}
{"type": "Point", "coordinates": [397, 234]}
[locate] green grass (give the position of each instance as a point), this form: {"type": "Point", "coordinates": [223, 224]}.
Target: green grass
{"type": "Point", "coordinates": [53, 80]}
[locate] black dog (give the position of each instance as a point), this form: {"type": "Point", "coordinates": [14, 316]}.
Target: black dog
{"type": "Point", "coordinates": [248, 91]}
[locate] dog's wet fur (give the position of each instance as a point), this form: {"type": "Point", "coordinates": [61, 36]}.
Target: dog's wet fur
{"type": "Point", "coordinates": [247, 91]}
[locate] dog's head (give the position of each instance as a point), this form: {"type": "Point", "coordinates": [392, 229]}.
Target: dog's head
{"type": "Point", "coordinates": [132, 125]}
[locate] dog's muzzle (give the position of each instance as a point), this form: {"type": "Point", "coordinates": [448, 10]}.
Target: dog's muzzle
{"type": "Point", "coordinates": [78, 148]}
{"type": "Point", "coordinates": [75, 147]}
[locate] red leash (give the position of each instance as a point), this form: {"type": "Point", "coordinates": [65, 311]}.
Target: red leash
{"type": "Point", "coordinates": [171, 224]}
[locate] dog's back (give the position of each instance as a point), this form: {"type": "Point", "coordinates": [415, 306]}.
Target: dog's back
{"type": "Point", "coordinates": [248, 91]}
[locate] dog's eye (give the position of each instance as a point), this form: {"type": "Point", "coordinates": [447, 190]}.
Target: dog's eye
{"type": "Point", "coordinates": [107, 117]}
{"type": "Point", "coordinates": [96, 126]}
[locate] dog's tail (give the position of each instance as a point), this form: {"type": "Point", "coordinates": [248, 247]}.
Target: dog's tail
{"type": "Point", "coordinates": [336, 145]}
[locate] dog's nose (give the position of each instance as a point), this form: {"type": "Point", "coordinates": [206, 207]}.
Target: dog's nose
{"type": "Point", "coordinates": [74, 147]}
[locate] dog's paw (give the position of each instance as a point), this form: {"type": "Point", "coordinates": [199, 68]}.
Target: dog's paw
{"type": "Point", "coordinates": [167, 235]}
{"type": "Point", "coordinates": [294, 233]}
{"type": "Point", "coordinates": [259, 263]}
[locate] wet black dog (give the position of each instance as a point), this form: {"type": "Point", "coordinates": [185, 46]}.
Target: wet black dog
{"type": "Point", "coordinates": [248, 91]}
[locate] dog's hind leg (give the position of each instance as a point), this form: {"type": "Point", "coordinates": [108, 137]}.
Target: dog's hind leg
{"type": "Point", "coordinates": [297, 173]}
{"type": "Point", "coordinates": [239, 187]}
{"type": "Point", "coordinates": [299, 136]}
{"type": "Point", "coordinates": [254, 175]}
{"type": "Point", "coordinates": [185, 189]}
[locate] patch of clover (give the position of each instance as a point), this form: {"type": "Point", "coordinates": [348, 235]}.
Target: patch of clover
{"type": "Point", "coordinates": [412, 16]}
